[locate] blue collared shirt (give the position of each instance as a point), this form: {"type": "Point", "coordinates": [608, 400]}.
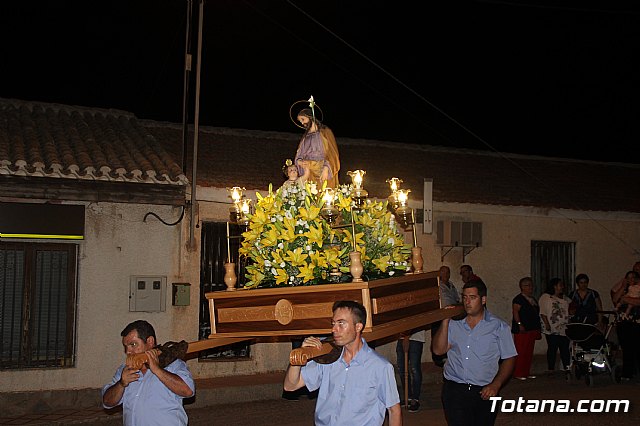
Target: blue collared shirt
{"type": "Point", "coordinates": [148, 402]}
{"type": "Point", "coordinates": [354, 394]}
{"type": "Point", "coordinates": [448, 294]}
{"type": "Point", "coordinates": [474, 353]}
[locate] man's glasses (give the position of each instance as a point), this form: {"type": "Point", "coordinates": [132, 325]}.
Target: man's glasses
{"type": "Point", "coordinates": [340, 324]}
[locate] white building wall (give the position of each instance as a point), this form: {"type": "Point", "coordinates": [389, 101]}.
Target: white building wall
{"type": "Point", "coordinates": [117, 244]}
{"type": "Point", "coordinates": [605, 245]}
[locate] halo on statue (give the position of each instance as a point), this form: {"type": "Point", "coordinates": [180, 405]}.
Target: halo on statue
{"type": "Point", "coordinates": [294, 117]}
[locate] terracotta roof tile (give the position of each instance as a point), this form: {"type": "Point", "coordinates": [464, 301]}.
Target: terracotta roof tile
{"type": "Point", "coordinates": [51, 140]}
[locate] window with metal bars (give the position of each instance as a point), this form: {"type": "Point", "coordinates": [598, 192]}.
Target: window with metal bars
{"type": "Point", "coordinates": [552, 259]}
{"type": "Point", "coordinates": [214, 253]}
{"type": "Point", "coordinates": [37, 305]}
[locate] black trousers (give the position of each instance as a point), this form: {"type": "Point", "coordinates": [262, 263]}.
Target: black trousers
{"type": "Point", "coordinates": [463, 405]}
{"type": "Point", "coordinates": [556, 342]}
{"type": "Point", "coordinates": [629, 338]}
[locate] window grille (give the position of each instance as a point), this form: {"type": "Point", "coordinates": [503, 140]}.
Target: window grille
{"type": "Point", "coordinates": [212, 260]}
{"type": "Point", "coordinates": [37, 305]}
{"type": "Point", "coordinates": [552, 259]}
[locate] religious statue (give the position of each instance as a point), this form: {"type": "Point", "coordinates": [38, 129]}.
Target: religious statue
{"type": "Point", "coordinates": [290, 171]}
{"type": "Point", "coordinates": [317, 150]}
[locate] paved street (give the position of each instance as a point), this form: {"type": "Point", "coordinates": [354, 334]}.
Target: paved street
{"type": "Point", "coordinates": [300, 413]}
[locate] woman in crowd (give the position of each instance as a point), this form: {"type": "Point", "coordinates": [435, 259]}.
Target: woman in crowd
{"type": "Point", "coordinates": [525, 328]}
{"type": "Point", "coordinates": [586, 301]}
{"type": "Point", "coordinates": [628, 328]}
{"type": "Point", "coordinates": [554, 313]}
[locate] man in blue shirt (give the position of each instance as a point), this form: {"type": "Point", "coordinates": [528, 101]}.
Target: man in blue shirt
{"type": "Point", "coordinates": [481, 358]}
{"type": "Point", "coordinates": [448, 296]}
{"type": "Point", "coordinates": [151, 395]}
{"type": "Point", "coordinates": [360, 386]}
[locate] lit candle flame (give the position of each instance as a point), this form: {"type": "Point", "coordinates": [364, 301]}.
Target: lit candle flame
{"type": "Point", "coordinates": [328, 197]}
{"type": "Point", "coordinates": [357, 177]}
{"type": "Point", "coordinates": [246, 206]}
{"type": "Point", "coordinates": [394, 183]}
{"type": "Point", "coordinates": [236, 193]}
{"type": "Point", "coordinates": [403, 196]}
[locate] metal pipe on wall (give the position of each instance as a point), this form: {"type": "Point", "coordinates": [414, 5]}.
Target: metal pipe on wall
{"type": "Point", "coordinates": [194, 165]}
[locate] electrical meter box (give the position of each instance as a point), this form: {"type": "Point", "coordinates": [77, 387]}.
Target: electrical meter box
{"type": "Point", "coordinates": [147, 293]}
{"type": "Point", "coordinates": [181, 294]}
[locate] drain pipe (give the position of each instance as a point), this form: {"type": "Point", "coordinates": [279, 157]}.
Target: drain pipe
{"type": "Point", "coordinates": [194, 166]}
{"type": "Point", "coordinates": [185, 84]}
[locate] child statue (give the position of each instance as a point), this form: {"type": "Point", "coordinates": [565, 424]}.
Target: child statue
{"type": "Point", "coordinates": [290, 171]}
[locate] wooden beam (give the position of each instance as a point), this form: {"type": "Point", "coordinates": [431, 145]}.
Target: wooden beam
{"type": "Point", "coordinates": [202, 345]}
{"type": "Point", "coordinates": [411, 323]}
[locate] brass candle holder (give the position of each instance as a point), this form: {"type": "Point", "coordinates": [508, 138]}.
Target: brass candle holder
{"type": "Point", "coordinates": [241, 208]}
{"type": "Point", "coordinates": [239, 214]}
{"type": "Point", "coordinates": [392, 200]}
{"type": "Point", "coordinates": [331, 214]}
{"type": "Point", "coordinates": [235, 211]}
{"type": "Point", "coordinates": [399, 205]}
{"type": "Point", "coordinates": [329, 211]}
{"type": "Point", "coordinates": [359, 195]}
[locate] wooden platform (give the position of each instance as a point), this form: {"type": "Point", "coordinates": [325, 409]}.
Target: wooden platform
{"type": "Point", "coordinates": [394, 306]}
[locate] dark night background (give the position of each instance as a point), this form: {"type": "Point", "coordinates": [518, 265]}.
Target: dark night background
{"type": "Point", "coordinates": [553, 78]}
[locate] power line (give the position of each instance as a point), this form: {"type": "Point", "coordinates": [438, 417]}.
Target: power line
{"type": "Point", "coordinates": [452, 119]}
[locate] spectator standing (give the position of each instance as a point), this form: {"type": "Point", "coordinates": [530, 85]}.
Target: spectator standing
{"type": "Point", "coordinates": [630, 290]}
{"type": "Point", "coordinates": [628, 328]}
{"type": "Point", "coordinates": [448, 296]}
{"type": "Point", "coordinates": [466, 273]}
{"type": "Point", "coordinates": [586, 302]}
{"type": "Point", "coordinates": [416, 344]}
{"type": "Point", "coordinates": [525, 327]}
{"type": "Point", "coordinates": [481, 357]}
{"type": "Point", "coordinates": [554, 313]}
{"type": "Point", "coordinates": [619, 289]}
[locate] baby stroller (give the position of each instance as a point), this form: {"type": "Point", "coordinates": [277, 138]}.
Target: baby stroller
{"type": "Point", "coordinates": [591, 351]}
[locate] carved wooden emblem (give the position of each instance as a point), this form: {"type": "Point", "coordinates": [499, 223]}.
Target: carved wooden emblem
{"type": "Point", "coordinates": [284, 311]}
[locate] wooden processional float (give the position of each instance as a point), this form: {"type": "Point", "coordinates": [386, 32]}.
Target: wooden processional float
{"type": "Point", "coordinates": [395, 306]}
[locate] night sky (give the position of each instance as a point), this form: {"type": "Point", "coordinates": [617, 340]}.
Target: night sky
{"type": "Point", "coordinates": [554, 78]}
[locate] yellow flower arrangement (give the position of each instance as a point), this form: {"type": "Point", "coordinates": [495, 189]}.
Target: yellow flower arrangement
{"type": "Point", "coordinates": [290, 244]}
